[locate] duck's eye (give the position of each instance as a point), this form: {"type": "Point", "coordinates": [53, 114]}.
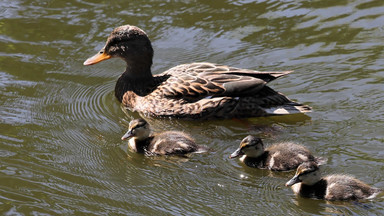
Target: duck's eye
{"type": "Point", "coordinates": [138, 127]}
{"type": "Point", "coordinates": [305, 172]}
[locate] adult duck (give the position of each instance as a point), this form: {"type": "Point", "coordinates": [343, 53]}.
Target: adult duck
{"type": "Point", "coordinates": [190, 91]}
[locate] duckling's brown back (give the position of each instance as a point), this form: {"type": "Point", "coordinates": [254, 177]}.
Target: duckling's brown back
{"type": "Point", "coordinates": [344, 187]}
{"type": "Point", "coordinates": [173, 142]}
{"type": "Point", "coordinates": [287, 156]}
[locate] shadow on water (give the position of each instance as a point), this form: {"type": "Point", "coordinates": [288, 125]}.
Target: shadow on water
{"type": "Point", "coordinates": [261, 125]}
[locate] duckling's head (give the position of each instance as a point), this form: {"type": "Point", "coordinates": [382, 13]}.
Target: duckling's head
{"type": "Point", "coordinates": [308, 173]}
{"type": "Point", "coordinates": [250, 146]}
{"type": "Point", "coordinates": [127, 42]}
{"type": "Point", "coordinates": [138, 129]}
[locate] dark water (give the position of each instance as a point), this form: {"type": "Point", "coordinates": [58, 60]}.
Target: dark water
{"type": "Point", "coordinates": [60, 149]}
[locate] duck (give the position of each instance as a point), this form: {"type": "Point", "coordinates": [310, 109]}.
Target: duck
{"type": "Point", "coordinates": [199, 90]}
{"type": "Point", "coordinates": [284, 156]}
{"type": "Point", "coordinates": [165, 143]}
{"type": "Point", "coordinates": [308, 182]}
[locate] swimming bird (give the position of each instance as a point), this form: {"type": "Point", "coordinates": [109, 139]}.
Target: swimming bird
{"type": "Point", "coordinates": [189, 91]}
{"type": "Point", "coordinates": [279, 157]}
{"type": "Point", "coordinates": [308, 182]}
{"type": "Point", "coordinates": [165, 143]}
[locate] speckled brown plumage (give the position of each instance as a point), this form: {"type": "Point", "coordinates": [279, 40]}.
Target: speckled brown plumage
{"type": "Point", "coordinates": [191, 91]}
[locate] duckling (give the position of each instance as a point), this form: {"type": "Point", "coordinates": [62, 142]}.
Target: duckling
{"type": "Point", "coordinates": [164, 143]}
{"type": "Point", "coordinates": [190, 91]}
{"type": "Point", "coordinates": [279, 157]}
{"type": "Point", "coordinates": [308, 182]}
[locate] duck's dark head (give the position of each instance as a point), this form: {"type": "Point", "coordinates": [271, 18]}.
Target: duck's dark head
{"type": "Point", "coordinates": [129, 43]}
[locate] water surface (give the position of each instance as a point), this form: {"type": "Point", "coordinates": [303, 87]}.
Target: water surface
{"type": "Point", "coordinates": [60, 124]}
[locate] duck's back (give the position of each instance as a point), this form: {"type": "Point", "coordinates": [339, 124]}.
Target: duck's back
{"type": "Point", "coordinates": [202, 79]}
{"type": "Point", "coordinates": [287, 156]}
{"type": "Point", "coordinates": [206, 90]}
{"type": "Point", "coordinates": [344, 187]}
{"type": "Point", "coordinates": [173, 142]}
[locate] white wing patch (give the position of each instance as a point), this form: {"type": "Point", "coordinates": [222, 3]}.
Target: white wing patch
{"type": "Point", "coordinates": [132, 144]}
{"type": "Point", "coordinates": [296, 188]}
{"type": "Point", "coordinates": [182, 145]}
{"type": "Point", "coordinates": [272, 161]}
{"type": "Point", "coordinates": [243, 158]}
{"type": "Point", "coordinates": [157, 143]}
{"type": "Point", "coordinates": [276, 110]}
{"type": "Point", "coordinates": [302, 157]}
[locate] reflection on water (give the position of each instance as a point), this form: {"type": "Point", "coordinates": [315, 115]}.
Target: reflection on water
{"type": "Point", "coordinates": [60, 124]}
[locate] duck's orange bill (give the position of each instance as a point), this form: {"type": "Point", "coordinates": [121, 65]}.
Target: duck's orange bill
{"type": "Point", "coordinates": [97, 58]}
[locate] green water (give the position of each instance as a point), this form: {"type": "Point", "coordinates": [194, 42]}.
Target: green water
{"type": "Point", "coordinates": [60, 147]}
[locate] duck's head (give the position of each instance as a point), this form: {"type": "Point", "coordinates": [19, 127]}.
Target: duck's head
{"type": "Point", "coordinates": [250, 146]}
{"type": "Point", "coordinates": [138, 128]}
{"type": "Point", "coordinates": [127, 42]}
{"type": "Point", "coordinates": [308, 173]}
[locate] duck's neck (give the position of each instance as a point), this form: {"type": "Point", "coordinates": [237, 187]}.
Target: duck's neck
{"type": "Point", "coordinates": [137, 78]}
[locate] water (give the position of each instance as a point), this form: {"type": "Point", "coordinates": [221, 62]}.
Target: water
{"type": "Point", "coordinates": [60, 125]}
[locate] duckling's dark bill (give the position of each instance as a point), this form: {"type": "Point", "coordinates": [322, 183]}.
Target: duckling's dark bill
{"type": "Point", "coordinates": [236, 154]}
{"type": "Point", "coordinates": [293, 181]}
{"type": "Point", "coordinates": [101, 56]}
{"type": "Point", "coordinates": [129, 134]}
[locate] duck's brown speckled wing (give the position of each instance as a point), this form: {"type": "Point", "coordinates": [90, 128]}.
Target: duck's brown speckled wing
{"type": "Point", "coordinates": [172, 142]}
{"type": "Point", "coordinates": [199, 80]}
{"type": "Point", "coordinates": [206, 90]}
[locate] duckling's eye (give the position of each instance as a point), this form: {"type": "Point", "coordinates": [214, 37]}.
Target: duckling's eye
{"type": "Point", "coordinates": [138, 126]}
{"type": "Point", "coordinates": [305, 172]}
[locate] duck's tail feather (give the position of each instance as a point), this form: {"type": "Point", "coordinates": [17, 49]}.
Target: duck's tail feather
{"type": "Point", "coordinates": [288, 109]}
